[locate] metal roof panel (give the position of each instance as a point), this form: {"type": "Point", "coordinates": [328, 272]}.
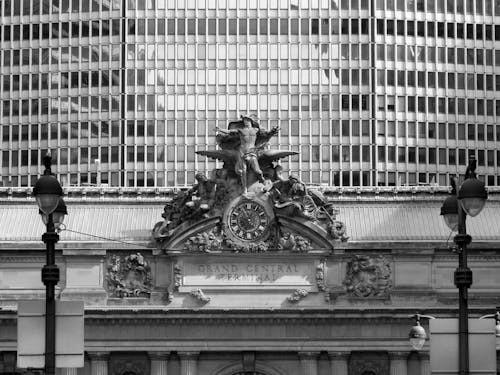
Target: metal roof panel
{"type": "Point", "coordinates": [365, 221]}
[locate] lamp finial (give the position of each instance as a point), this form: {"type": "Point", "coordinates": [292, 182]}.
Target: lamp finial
{"type": "Point", "coordinates": [47, 161]}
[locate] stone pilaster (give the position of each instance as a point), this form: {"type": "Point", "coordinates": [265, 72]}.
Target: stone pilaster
{"type": "Point", "coordinates": [69, 371]}
{"type": "Point", "coordinates": [425, 363]}
{"type": "Point", "coordinates": [189, 363]}
{"type": "Point", "coordinates": [98, 363]}
{"type": "Point", "coordinates": [309, 363]}
{"type": "Point", "coordinates": [399, 363]}
{"type": "Point", "coordinates": [339, 362]}
{"type": "Point", "coordinates": [159, 362]}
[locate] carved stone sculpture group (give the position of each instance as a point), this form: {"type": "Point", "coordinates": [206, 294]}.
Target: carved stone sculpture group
{"type": "Point", "coordinates": [247, 205]}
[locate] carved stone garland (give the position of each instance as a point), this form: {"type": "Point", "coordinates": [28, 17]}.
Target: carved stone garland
{"type": "Point", "coordinates": [297, 295]}
{"type": "Point", "coordinates": [129, 276]}
{"type": "Point", "coordinates": [368, 276]}
{"type": "Point", "coordinates": [320, 279]}
{"type": "Point", "coordinates": [200, 296]}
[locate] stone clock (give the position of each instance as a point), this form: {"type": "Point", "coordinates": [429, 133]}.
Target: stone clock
{"type": "Point", "coordinates": [248, 220]}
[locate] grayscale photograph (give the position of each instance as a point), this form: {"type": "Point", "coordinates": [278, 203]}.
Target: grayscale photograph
{"type": "Point", "coordinates": [250, 187]}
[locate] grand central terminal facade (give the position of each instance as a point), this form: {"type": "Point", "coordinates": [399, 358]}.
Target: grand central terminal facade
{"type": "Point", "coordinates": [319, 303]}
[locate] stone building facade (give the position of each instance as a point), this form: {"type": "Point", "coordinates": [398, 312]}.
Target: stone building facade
{"type": "Point", "coordinates": [188, 307]}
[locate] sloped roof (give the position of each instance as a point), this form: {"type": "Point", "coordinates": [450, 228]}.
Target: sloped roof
{"type": "Point", "coordinates": [368, 217]}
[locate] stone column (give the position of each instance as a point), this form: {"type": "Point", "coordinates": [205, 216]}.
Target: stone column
{"type": "Point", "coordinates": [69, 371]}
{"type": "Point", "coordinates": [189, 362]}
{"type": "Point", "coordinates": [159, 361]}
{"type": "Point", "coordinates": [309, 363]}
{"type": "Point", "coordinates": [338, 362]}
{"type": "Point", "coordinates": [425, 363]}
{"type": "Point", "coordinates": [399, 363]}
{"type": "Point", "coordinates": [99, 363]}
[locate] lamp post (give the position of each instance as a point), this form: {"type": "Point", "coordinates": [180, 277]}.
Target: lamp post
{"type": "Point", "coordinates": [48, 194]}
{"type": "Point", "coordinates": [468, 200]}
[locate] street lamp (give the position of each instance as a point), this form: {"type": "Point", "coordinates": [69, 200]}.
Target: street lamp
{"type": "Point", "coordinates": [417, 333]}
{"type": "Point", "coordinates": [48, 194]}
{"type": "Point", "coordinates": [469, 200]}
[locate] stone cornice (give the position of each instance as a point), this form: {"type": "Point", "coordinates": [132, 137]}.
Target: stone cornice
{"type": "Point", "coordinates": [307, 318]}
{"type": "Point", "coordinates": [480, 250]}
{"type": "Point", "coordinates": [118, 315]}
{"type": "Point", "coordinates": [131, 195]}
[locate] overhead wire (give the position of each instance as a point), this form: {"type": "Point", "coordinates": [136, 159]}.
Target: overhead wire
{"type": "Point", "coordinates": [64, 228]}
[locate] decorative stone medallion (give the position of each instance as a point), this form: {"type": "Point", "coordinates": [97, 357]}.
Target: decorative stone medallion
{"type": "Point", "coordinates": [368, 276]}
{"type": "Point", "coordinates": [129, 276]}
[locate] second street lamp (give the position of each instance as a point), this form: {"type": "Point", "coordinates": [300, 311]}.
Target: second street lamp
{"type": "Point", "coordinates": [417, 333]}
{"type": "Point", "coordinates": [48, 194]}
{"type": "Point", "coordinates": [469, 200]}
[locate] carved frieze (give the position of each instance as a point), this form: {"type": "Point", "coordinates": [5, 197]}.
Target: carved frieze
{"type": "Point", "coordinates": [217, 240]}
{"type": "Point", "coordinates": [129, 276]}
{"type": "Point", "coordinates": [128, 363]}
{"type": "Point", "coordinates": [294, 243]}
{"type": "Point", "coordinates": [368, 276]}
{"type": "Point", "coordinates": [369, 363]}
{"type": "Point", "coordinates": [205, 242]}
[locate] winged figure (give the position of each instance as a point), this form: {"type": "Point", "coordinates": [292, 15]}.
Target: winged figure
{"type": "Point", "coordinates": [243, 149]}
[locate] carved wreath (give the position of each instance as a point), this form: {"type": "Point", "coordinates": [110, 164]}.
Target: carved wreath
{"type": "Point", "coordinates": [367, 276]}
{"type": "Point", "coordinates": [129, 276]}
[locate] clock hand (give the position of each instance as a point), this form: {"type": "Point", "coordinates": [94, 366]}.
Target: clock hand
{"type": "Point", "coordinates": [241, 216]}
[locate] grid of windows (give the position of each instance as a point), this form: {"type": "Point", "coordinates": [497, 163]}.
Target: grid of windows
{"type": "Point", "coordinates": [399, 94]}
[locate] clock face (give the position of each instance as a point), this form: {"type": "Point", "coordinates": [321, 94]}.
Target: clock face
{"type": "Point", "coordinates": [248, 221]}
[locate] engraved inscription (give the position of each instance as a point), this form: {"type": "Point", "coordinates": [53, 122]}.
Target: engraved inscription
{"type": "Point", "coordinates": [249, 274]}
{"type": "Point", "coordinates": [255, 273]}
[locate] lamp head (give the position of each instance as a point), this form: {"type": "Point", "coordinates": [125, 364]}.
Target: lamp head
{"type": "Point", "coordinates": [449, 211]}
{"type": "Point", "coordinates": [47, 189]}
{"type": "Point", "coordinates": [417, 336]}
{"type": "Point", "coordinates": [57, 215]}
{"type": "Point", "coordinates": [472, 196]}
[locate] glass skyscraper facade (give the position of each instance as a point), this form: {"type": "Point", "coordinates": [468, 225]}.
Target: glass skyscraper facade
{"type": "Point", "coordinates": [123, 92]}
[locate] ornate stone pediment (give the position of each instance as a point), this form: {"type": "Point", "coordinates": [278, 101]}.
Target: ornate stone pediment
{"type": "Point", "coordinates": [247, 206]}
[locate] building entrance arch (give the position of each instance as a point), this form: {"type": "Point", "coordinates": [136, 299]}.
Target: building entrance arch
{"type": "Point", "coordinates": [236, 368]}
